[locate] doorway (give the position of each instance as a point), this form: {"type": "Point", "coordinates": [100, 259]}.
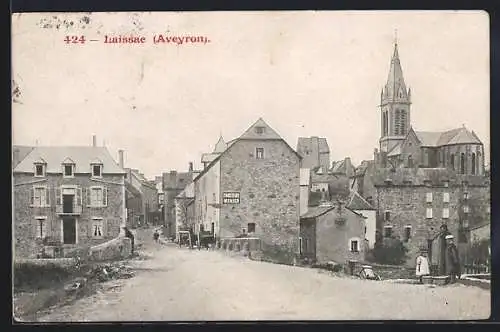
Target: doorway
{"type": "Point", "coordinates": [69, 230]}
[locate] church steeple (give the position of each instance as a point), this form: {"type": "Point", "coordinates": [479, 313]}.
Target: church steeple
{"type": "Point", "coordinates": [395, 88]}
{"type": "Point", "coordinates": [395, 101]}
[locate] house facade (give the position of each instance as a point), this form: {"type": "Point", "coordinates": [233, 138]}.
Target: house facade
{"type": "Point", "coordinates": [413, 204]}
{"type": "Point", "coordinates": [173, 184]}
{"type": "Point", "coordinates": [252, 187]}
{"type": "Point", "coordinates": [141, 199]}
{"type": "Point", "coordinates": [66, 196]}
{"type": "Point", "coordinates": [332, 232]}
{"type": "Point", "coordinates": [314, 151]}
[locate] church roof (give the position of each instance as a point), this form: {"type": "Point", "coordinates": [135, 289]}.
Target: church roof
{"type": "Point", "coordinates": [450, 137]}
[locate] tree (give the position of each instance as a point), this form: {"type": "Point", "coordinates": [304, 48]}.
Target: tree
{"type": "Point", "coordinates": [391, 251]}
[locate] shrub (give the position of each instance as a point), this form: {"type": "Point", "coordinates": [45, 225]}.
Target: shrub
{"type": "Point", "coordinates": [391, 251]}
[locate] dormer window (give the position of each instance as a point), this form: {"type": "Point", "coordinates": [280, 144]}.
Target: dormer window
{"type": "Point", "coordinates": [97, 170]}
{"type": "Point", "coordinates": [68, 168]}
{"type": "Point", "coordinates": [40, 170]}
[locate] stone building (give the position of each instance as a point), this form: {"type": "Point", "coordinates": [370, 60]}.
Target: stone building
{"type": "Point", "coordinates": [66, 197]}
{"type": "Point", "coordinates": [184, 209]}
{"type": "Point", "coordinates": [252, 187]}
{"type": "Point", "coordinates": [173, 184]}
{"type": "Point", "coordinates": [414, 203]}
{"type": "Point", "coordinates": [332, 232]}
{"type": "Point", "coordinates": [314, 151]}
{"type": "Point", "coordinates": [141, 199]}
{"type": "Point", "coordinates": [401, 145]}
{"type": "Point", "coordinates": [362, 207]}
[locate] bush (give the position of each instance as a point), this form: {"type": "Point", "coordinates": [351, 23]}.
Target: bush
{"type": "Point", "coordinates": [279, 255]}
{"type": "Point", "coordinates": [389, 251]}
{"type": "Point", "coordinates": [37, 276]}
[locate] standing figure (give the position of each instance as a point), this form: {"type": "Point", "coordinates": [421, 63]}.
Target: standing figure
{"type": "Point", "coordinates": [452, 259]}
{"type": "Point", "coordinates": [422, 266]}
{"type": "Point", "coordinates": [156, 236]}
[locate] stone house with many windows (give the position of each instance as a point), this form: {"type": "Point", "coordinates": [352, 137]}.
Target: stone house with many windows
{"type": "Point", "coordinates": [413, 204]}
{"type": "Point", "coordinates": [66, 197]}
{"type": "Point", "coordinates": [252, 187]}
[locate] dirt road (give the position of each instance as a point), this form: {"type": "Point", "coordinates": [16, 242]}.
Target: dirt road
{"type": "Point", "coordinates": [187, 285]}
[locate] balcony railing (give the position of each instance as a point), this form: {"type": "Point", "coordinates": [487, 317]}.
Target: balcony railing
{"type": "Point", "coordinates": [69, 210]}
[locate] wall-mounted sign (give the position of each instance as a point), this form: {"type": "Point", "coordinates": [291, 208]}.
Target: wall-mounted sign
{"type": "Point", "coordinates": [231, 198]}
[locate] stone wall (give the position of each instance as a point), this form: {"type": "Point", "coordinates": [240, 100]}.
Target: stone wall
{"type": "Point", "coordinates": [332, 239]}
{"type": "Point", "coordinates": [25, 225]}
{"type": "Point", "coordinates": [115, 249]}
{"type": "Point", "coordinates": [407, 206]}
{"type": "Point", "coordinates": [269, 192]}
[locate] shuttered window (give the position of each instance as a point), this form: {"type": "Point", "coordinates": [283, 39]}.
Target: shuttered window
{"type": "Point", "coordinates": [446, 197]}
{"type": "Point", "coordinates": [40, 196]}
{"type": "Point", "coordinates": [428, 197]}
{"type": "Point", "coordinates": [97, 196]}
{"type": "Point", "coordinates": [446, 213]}
{"type": "Point", "coordinates": [428, 213]}
{"type": "Point", "coordinates": [41, 227]}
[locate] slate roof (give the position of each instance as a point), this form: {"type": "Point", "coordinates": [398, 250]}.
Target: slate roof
{"type": "Point", "coordinates": [209, 157]}
{"type": "Point", "coordinates": [454, 136]}
{"type": "Point", "coordinates": [316, 211]}
{"type": "Point", "coordinates": [356, 202]}
{"type": "Point", "coordinates": [82, 156]}
{"type": "Point", "coordinates": [420, 176]}
{"type": "Point", "coordinates": [22, 152]}
{"type": "Point", "coordinates": [395, 151]}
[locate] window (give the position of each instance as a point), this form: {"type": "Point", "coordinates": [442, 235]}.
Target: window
{"type": "Point", "coordinates": [410, 162]}
{"type": "Point", "coordinates": [407, 233]}
{"type": "Point", "coordinates": [260, 153]}
{"type": "Point", "coordinates": [41, 229]}
{"type": "Point", "coordinates": [446, 213]}
{"type": "Point", "coordinates": [387, 231]}
{"type": "Point", "coordinates": [473, 164]}
{"type": "Point", "coordinates": [97, 227]}
{"type": "Point", "coordinates": [387, 215]}
{"type": "Point", "coordinates": [97, 170]}
{"type": "Point", "coordinates": [39, 170]}
{"type": "Point", "coordinates": [68, 170]}
{"type": "Point", "coordinates": [98, 196]}
{"type": "Point", "coordinates": [428, 213]}
{"type": "Point", "coordinates": [452, 161]}
{"type": "Point", "coordinates": [397, 122]}
{"type": "Point", "coordinates": [446, 184]}
{"type": "Point", "coordinates": [354, 245]}
{"type": "Point", "coordinates": [301, 249]}
{"type": "Point", "coordinates": [251, 227]}
{"type": "Point", "coordinates": [462, 163]}
{"type": "Point", "coordinates": [428, 197]}
{"type": "Point", "coordinates": [40, 197]}
{"type": "Point", "coordinates": [446, 197]}
{"type": "Point", "coordinates": [466, 209]}
{"type": "Point", "coordinates": [260, 130]}
{"type": "Point", "coordinates": [466, 195]}
{"type": "Point", "coordinates": [402, 127]}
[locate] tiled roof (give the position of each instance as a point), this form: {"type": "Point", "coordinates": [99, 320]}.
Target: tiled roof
{"type": "Point", "coordinates": [305, 176]}
{"type": "Point", "coordinates": [455, 136]}
{"type": "Point", "coordinates": [357, 202]}
{"type": "Point", "coordinates": [316, 211]}
{"type": "Point", "coordinates": [19, 152]}
{"type": "Point", "coordinates": [81, 155]}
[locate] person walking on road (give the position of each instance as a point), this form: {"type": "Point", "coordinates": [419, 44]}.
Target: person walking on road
{"type": "Point", "coordinates": [422, 266]}
{"type": "Point", "coordinates": [452, 260]}
{"type": "Point", "coordinates": [156, 236]}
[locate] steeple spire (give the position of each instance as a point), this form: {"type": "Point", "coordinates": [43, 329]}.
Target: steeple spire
{"type": "Point", "coordinates": [395, 88]}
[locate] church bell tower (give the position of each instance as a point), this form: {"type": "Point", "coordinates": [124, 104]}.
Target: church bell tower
{"type": "Point", "coordinates": [395, 101]}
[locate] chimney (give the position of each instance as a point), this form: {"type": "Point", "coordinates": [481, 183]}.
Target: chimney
{"type": "Point", "coordinates": [94, 141]}
{"type": "Point", "coordinates": [348, 167]}
{"type": "Point", "coordinates": [190, 167]}
{"type": "Point", "coordinates": [120, 158]}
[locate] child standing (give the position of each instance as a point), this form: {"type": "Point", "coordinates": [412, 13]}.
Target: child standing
{"type": "Point", "coordinates": [422, 268]}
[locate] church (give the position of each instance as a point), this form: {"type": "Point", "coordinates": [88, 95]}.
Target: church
{"type": "Point", "coordinates": [421, 182]}
{"type": "Point", "coordinates": [401, 145]}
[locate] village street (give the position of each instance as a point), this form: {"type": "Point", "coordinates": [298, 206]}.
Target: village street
{"type": "Point", "coordinates": [175, 284]}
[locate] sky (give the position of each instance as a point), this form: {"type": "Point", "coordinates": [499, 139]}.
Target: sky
{"type": "Point", "coordinates": [310, 73]}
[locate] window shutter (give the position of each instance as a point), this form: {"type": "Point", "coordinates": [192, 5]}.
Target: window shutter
{"type": "Point", "coordinates": [32, 196]}
{"type": "Point", "coordinates": [47, 196]}
{"type": "Point", "coordinates": [429, 197]}
{"type": "Point", "coordinates": [105, 196]}
{"type": "Point", "coordinates": [79, 196]}
{"type": "Point", "coordinates": [429, 213]}
{"type": "Point", "coordinates": [89, 199]}
{"type": "Point", "coordinates": [58, 196]}
{"type": "Point", "coordinates": [446, 197]}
